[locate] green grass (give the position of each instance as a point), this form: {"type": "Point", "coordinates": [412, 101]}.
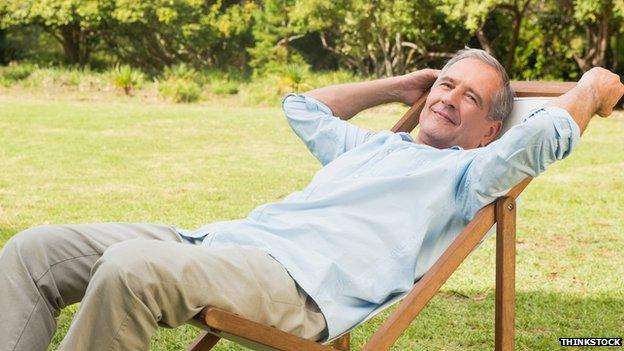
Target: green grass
{"type": "Point", "coordinates": [72, 162]}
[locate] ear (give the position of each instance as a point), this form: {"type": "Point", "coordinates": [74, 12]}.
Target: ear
{"type": "Point", "coordinates": [491, 133]}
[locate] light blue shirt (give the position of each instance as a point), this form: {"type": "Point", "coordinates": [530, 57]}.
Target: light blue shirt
{"type": "Point", "coordinates": [383, 209]}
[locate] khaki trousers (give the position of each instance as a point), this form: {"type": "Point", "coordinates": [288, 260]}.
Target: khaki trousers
{"type": "Point", "coordinates": [132, 278]}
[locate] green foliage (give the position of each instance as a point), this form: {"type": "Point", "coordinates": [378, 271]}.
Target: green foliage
{"type": "Point", "coordinates": [384, 37]}
{"type": "Point", "coordinates": [181, 83]}
{"type": "Point", "coordinates": [272, 31]}
{"type": "Point", "coordinates": [15, 72]}
{"type": "Point", "coordinates": [224, 87]}
{"type": "Point", "coordinates": [73, 23]}
{"type": "Point", "coordinates": [293, 77]}
{"type": "Point", "coordinates": [181, 71]}
{"type": "Point", "coordinates": [126, 78]}
{"type": "Point", "coordinates": [550, 39]}
{"type": "Point", "coordinates": [556, 39]}
{"type": "Point", "coordinates": [180, 90]}
{"type": "Point", "coordinates": [159, 33]}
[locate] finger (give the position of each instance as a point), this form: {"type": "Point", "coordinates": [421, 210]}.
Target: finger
{"type": "Point", "coordinates": [432, 73]}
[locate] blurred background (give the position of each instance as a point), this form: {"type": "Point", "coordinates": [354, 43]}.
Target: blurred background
{"type": "Point", "coordinates": [190, 50]}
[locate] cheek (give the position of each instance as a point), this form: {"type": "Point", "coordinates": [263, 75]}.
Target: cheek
{"type": "Point", "coordinates": [473, 130]}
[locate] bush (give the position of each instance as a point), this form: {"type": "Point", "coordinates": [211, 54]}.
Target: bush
{"type": "Point", "coordinates": [127, 78]}
{"type": "Point", "coordinates": [183, 72]}
{"type": "Point", "coordinates": [54, 77]}
{"type": "Point", "coordinates": [294, 77]}
{"type": "Point", "coordinates": [15, 72]}
{"type": "Point", "coordinates": [180, 90]}
{"type": "Point", "coordinates": [269, 89]}
{"type": "Point", "coordinates": [262, 91]}
{"type": "Point", "coordinates": [225, 88]}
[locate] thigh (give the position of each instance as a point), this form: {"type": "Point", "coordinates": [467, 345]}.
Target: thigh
{"type": "Point", "coordinates": [66, 253]}
{"type": "Point", "coordinates": [179, 280]}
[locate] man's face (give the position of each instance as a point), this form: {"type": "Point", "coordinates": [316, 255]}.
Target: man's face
{"type": "Point", "coordinates": [456, 109]}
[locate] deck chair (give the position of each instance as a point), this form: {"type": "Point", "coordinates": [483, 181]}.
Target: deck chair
{"type": "Point", "coordinates": [222, 324]}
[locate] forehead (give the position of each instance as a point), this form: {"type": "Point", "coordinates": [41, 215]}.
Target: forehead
{"type": "Point", "coordinates": [476, 75]}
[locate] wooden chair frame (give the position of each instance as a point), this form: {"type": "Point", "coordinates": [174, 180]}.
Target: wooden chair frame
{"type": "Point", "coordinates": [222, 324]}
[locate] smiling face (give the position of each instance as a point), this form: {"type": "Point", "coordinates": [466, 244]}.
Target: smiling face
{"type": "Point", "coordinates": [456, 110]}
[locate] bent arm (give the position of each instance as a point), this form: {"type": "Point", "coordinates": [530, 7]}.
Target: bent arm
{"type": "Point", "coordinates": [548, 134]}
{"type": "Point", "coordinates": [326, 136]}
{"type": "Point", "coordinates": [597, 92]}
{"type": "Point", "coordinates": [347, 100]}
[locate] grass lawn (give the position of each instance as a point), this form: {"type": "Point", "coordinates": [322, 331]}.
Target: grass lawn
{"type": "Point", "coordinates": [74, 162]}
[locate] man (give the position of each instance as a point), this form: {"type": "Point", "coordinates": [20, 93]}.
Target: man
{"type": "Point", "coordinates": [374, 218]}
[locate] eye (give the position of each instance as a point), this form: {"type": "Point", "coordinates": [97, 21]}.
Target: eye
{"type": "Point", "coordinates": [445, 84]}
{"type": "Point", "coordinates": [472, 99]}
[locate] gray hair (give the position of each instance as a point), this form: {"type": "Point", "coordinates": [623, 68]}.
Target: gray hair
{"type": "Point", "coordinates": [502, 102]}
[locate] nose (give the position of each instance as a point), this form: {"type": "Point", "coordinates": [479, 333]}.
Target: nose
{"type": "Point", "coordinates": [451, 98]}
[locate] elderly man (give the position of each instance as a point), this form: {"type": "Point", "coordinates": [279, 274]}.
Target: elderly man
{"type": "Point", "coordinates": [374, 218]}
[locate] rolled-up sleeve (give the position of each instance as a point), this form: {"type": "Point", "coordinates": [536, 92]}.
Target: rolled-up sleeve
{"type": "Point", "coordinates": [546, 135]}
{"type": "Point", "coordinates": [325, 135]}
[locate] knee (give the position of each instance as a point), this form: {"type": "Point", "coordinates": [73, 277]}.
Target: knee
{"type": "Point", "coordinates": [34, 242]}
{"type": "Point", "coordinates": [128, 264]}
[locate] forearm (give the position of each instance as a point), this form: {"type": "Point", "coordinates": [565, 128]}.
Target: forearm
{"type": "Point", "coordinates": [580, 102]}
{"type": "Point", "coordinates": [596, 92]}
{"type": "Point", "coordinates": [347, 100]}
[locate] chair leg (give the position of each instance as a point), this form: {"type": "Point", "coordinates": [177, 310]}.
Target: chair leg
{"type": "Point", "coordinates": [203, 342]}
{"type": "Point", "coordinates": [343, 343]}
{"type": "Point", "coordinates": [505, 273]}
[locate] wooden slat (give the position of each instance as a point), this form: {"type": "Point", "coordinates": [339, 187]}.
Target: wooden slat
{"type": "Point", "coordinates": [232, 324]}
{"type": "Point", "coordinates": [545, 89]}
{"type": "Point", "coordinates": [409, 121]}
{"type": "Point", "coordinates": [505, 274]}
{"type": "Point", "coordinates": [432, 281]}
{"type": "Point", "coordinates": [204, 342]}
{"type": "Point", "coordinates": [343, 343]}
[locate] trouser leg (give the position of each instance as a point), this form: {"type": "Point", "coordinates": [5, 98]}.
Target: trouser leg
{"type": "Point", "coordinates": [45, 268]}
{"type": "Point", "coordinates": [137, 285]}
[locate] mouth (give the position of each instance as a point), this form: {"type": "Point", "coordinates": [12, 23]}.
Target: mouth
{"type": "Point", "coordinates": [445, 116]}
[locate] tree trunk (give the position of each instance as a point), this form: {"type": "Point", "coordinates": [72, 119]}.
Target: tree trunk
{"type": "Point", "coordinates": [597, 43]}
{"type": "Point", "coordinates": [518, 17]}
{"type": "Point", "coordinates": [3, 51]}
{"type": "Point", "coordinates": [603, 42]}
{"type": "Point", "coordinates": [484, 41]}
{"type": "Point", "coordinates": [70, 40]}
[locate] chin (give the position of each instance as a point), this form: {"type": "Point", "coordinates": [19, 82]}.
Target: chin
{"type": "Point", "coordinates": [434, 140]}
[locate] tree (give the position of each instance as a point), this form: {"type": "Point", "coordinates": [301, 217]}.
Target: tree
{"type": "Point", "coordinates": [496, 23]}
{"type": "Point", "coordinates": [159, 33]}
{"type": "Point", "coordinates": [273, 31]}
{"type": "Point", "coordinates": [594, 23]}
{"type": "Point", "coordinates": [380, 37]}
{"type": "Point", "coordinates": [73, 23]}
